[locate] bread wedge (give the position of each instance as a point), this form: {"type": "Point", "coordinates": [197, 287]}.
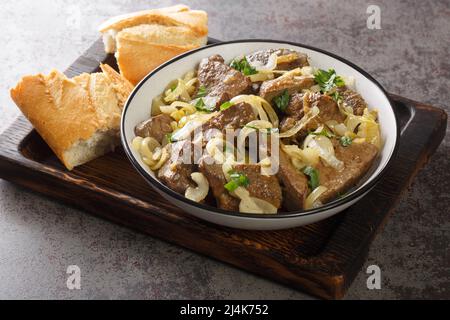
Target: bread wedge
{"type": "Point", "coordinates": [142, 48]}
{"type": "Point", "coordinates": [144, 40]}
{"type": "Point", "coordinates": [78, 118]}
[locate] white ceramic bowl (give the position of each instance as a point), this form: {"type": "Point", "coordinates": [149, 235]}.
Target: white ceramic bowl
{"type": "Point", "coordinates": [138, 108]}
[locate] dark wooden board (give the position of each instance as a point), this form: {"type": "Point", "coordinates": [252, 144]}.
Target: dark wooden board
{"type": "Point", "coordinates": [321, 259]}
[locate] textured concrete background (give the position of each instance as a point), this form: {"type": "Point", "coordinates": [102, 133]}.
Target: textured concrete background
{"type": "Point", "coordinates": [40, 238]}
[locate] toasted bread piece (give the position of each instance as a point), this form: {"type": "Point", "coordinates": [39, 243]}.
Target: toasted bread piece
{"type": "Point", "coordinates": [140, 17]}
{"type": "Point", "coordinates": [142, 48]}
{"type": "Point", "coordinates": [78, 118]}
{"type": "Point", "coordinates": [143, 40]}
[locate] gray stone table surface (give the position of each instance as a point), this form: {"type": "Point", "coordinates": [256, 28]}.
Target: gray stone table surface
{"type": "Point", "coordinates": [39, 238]}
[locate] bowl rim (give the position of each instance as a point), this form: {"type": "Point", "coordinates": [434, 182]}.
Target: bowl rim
{"type": "Point", "coordinates": [280, 215]}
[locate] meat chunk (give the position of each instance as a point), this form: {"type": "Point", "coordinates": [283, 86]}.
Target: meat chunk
{"type": "Point", "coordinates": [294, 112]}
{"type": "Point", "coordinates": [295, 184]}
{"type": "Point", "coordinates": [220, 80]}
{"type": "Point", "coordinates": [176, 172]}
{"type": "Point", "coordinates": [295, 106]}
{"type": "Point", "coordinates": [156, 127]}
{"type": "Point", "coordinates": [290, 59]}
{"type": "Point", "coordinates": [328, 110]}
{"type": "Point", "coordinates": [233, 117]}
{"type": "Point", "coordinates": [357, 158]}
{"type": "Point", "coordinates": [271, 88]}
{"type": "Point", "coordinates": [214, 174]}
{"type": "Point", "coordinates": [262, 187]}
{"type": "Point", "coordinates": [353, 99]}
{"type": "Point", "coordinates": [287, 59]}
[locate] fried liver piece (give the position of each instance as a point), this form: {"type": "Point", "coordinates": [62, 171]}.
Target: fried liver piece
{"type": "Point", "coordinates": [176, 172]}
{"type": "Point", "coordinates": [357, 158]}
{"type": "Point", "coordinates": [271, 88]}
{"type": "Point", "coordinates": [220, 80]}
{"type": "Point", "coordinates": [214, 174]}
{"type": "Point", "coordinates": [294, 183]}
{"type": "Point", "coordinates": [156, 127]}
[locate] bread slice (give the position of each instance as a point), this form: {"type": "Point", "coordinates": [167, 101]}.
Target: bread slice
{"type": "Point", "coordinates": [78, 118]}
{"type": "Point", "coordinates": [118, 23]}
{"type": "Point", "coordinates": [145, 39]}
{"type": "Point", "coordinates": [142, 48]}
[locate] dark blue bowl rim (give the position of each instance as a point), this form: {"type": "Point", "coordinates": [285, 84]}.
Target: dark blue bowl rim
{"type": "Point", "coordinates": [280, 215]}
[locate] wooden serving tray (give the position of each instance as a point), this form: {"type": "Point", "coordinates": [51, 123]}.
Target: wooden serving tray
{"type": "Point", "coordinates": [321, 259]}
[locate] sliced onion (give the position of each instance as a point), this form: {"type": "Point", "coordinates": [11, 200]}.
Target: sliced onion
{"type": "Point", "coordinates": [261, 76]}
{"type": "Point", "coordinates": [307, 70]}
{"type": "Point", "coordinates": [352, 122]}
{"type": "Point", "coordinates": [345, 109]}
{"type": "Point", "coordinates": [326, 150]}
{"type": "Point", "coordinates": [167, 109]}
{"type": "Point", "coordinates": [312, 199]}
{"type": "Point", "coordinates": [261, 107]}
{"type": "Point", "coordinates": [311, 114]}
{"type": "Point", "coordinates": [256, 205]}
{"type": "Point", "coordinates": [292, 73]}
{"type": "Point", "coordinates": [349, 82]}
{"type": "Point", "coordinates": [179, 92]}
{"type": "Point", "coordinates": [189, 76]}
{"type": "Point", "coordinates": [337, 128]}
{"type": "Point", "coordinates": [136, 143]}
{"type": "Point", "coordinates": [176, 106]}
{"type": "Point", "coordinates": [148, 144]}
{"type": "Point", "coordinates": [269, 65]}
{"type": "Point", "coordinates": [266, 167]}
{"type": "Point", "coordinates": [301, 157]}
{"type": "Point", "coordinates": [241, 193]}
{"type": "Point", "coordinates": [200, 192]}
{"type": "Point", "coordinates": [248, 204]}
{"type": "Point", "coordinates": [270, 112]}
{"type": "Point", "coordinates": [185, 132]}
{"type": "Point", "coordinates": [184, 106]}
{"type": "Point", "coordinates": [247, 130]}
{"type": "Point", "coordinates": [370, 130]}
{"type": "Point", "coordinates": [157, 102]}
{"type": "Point", "coordinates": [227, 166]}
{"type": "Point", "coordinates": [214, 148]}
{"type": "Point", "coordinates": [163, 157]}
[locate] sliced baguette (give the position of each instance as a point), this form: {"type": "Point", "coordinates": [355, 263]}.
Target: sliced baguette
{"type": "Point", "coordinates": [118, 23]}
{"type": "Point", "coordinates": [145, 39]}
{"type": "Point", "coordinates": [78, 118]}
{"type": "Point", "coordinates": [142, 48]}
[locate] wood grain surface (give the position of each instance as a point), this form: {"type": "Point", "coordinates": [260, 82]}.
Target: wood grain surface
{"type": "Point", "coordinates": [321, 259]}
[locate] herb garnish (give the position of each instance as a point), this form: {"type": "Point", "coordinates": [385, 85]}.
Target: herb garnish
{"type": "Point", "coordinates": [313, 175]}
{"type": "Point", "coordinates": [226, 105]}
{"type": "Point", "coordinates": [345, 141]}
{"type": "Point", "coordinates": [201, 91]}
{"type": "Point", "coordinates": [201, 106]}
{"type": "Point", "coordinates": [336, 96]}
{"type": "Point", "coordinates": [173, 87]}
{"type": "Point", "coordinates": [243, 66]}
{"type": "Point", "coordinates": [327, 80]}
{"type": "Point", "coordinates": [169, 137]}
{"type": "Point", "coordinates": [237, 180]}
{"type": "Point", "coordinates": [324, 132]}
{"type": "Point", "coordinates": [282, 101]}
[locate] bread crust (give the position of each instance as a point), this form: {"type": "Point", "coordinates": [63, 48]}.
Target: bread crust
{"type": "Point", "coordinates": [66, 111]}
{"type": "Point", "coordinates": [144, 40]}
{"type": "Point", "coordinates": [139, 17]}
{"type": "Point", "coordinates": [179, 15]}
